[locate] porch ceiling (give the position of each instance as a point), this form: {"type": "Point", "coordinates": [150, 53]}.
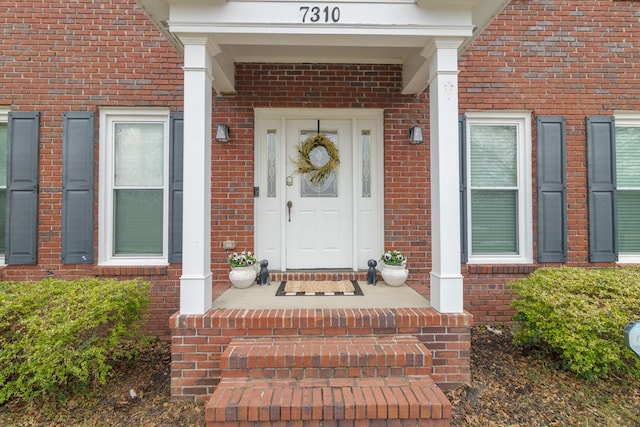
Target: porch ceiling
{"type": "Point", "coordinates": [353, 31]}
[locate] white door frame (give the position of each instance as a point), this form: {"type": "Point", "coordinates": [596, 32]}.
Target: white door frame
{"type": "Point", "coordinates": [367, 213]}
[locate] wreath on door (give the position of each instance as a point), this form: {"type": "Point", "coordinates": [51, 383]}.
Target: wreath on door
{"type": "Point", "coordinates": [317, 173]}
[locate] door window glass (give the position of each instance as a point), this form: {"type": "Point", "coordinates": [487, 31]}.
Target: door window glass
{"type": "Point", "coordinates": [366, 163]}
{"type": "Point", "coordinates": [319, 157]}
{"type": "Point", "coordinates": [271, 163]}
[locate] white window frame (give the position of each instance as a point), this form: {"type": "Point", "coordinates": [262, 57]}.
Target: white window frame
{"type": "Point", "coordinates": [108, 118]}
{"type": "Point", "coordinates": [627, 119]}
{"type": "Point", "coordinates": [4, 118]}
{"type": "Point", "coordinates": [522, 121]}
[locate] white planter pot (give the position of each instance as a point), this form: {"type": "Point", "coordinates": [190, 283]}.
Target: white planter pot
{"type": "Point", "coordinates": [243, 277]}
{"type": "Point", "coordinates": [394, 275]}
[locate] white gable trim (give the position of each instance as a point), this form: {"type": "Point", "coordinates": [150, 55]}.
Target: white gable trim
{"type": "Point", "coordinates": [361, 32]}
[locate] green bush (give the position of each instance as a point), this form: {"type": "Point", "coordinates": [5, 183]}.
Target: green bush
{"type": "Point", "coordinates": [59, 337]}
{"type": "Point", "coordinates": [580, 315]}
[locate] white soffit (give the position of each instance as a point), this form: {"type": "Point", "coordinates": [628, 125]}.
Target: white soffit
{"type": "Point", "coordinates": [355, 31]}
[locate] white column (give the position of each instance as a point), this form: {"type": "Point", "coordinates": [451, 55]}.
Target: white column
{"type": "Point", "coordinates": [446, 278]}
{"type": "Point", "coordinates": [195, 283]}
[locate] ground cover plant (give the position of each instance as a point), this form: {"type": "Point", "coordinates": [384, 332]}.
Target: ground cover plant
{"type": "Point", "coordinates": [510, 385]}
{"type": "Point", "coordinates": [579, 315]}
{"type": "Point", "coordinates": [58, 338]}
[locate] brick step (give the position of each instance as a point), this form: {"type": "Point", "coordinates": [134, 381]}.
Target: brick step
{"type": "Point", "coordinates": [325, 357]}
{"type": "Point", "coordinates": [389, 401]}
{"type": "Point", "coordinates": [279, 276]}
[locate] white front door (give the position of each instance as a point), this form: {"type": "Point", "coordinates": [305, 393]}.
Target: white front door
{"type": "Point", "coordinates": [336, 224]}
{"type": "Point", "coordinates": [319, 216]}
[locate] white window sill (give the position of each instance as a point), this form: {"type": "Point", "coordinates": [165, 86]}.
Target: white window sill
{"type": "Point", "coordinates": [629, 259]}
{"type": "Point", "coordinates": [125, 262]}
{"type": "Point", "coordinates": [504, 259]}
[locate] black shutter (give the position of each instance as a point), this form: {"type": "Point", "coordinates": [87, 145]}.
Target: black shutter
{"type": "Point", "coordinates": [462, 138]}
{"type": "Point", "coordinates": [175, 187]}
{"type": "Point", "coordinates": [22, 188]}
{"type": "Point", "coordinates": [552, 184]}
{"type": "Point", "coordinates": [601, 160]}
{"type": "Point", "coordinates": [77, 187]}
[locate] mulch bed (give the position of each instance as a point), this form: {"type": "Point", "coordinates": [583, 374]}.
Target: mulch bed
{"type": "Point", "coordinates": [510, 386]}
{"type": "Point", "coordinates": [522, 386]}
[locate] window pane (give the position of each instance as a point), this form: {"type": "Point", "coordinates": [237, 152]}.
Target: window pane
{"type": "Point", "coordinates": [628, 156]}
{"type": "Point", "coordinates": [366, 163]}
{"type": "Point", "coordinates": [3, 154]}
{"type": "Point", "coordinates": [493, 156]}
{"type": "Point", "coordinates": [494, 224]}
{"type": "Point", "coordinates": [138, 222]}
{"type": "Point", "coordinates": [139, 154]}
{"type": "Point", "coordinates": [628, 224]}
{"type": "Point", "coordinates": [271, 163]}
{"type": "Point", "coordinates": [319, 157]}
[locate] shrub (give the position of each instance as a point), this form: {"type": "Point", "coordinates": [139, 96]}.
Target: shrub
{"type": "Point", "coordinates": [580, 315]}
{"type": "Point", "coordinates": [58, 337]}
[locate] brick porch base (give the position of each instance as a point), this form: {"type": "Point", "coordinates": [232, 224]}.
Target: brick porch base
{"type": "Point", "coordinates": [198, 341]}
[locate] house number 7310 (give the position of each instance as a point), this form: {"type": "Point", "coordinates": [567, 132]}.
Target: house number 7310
{"type": "Point", "coordinates": [320, 14]}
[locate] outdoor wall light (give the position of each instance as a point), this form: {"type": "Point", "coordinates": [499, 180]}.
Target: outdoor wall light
{"type": "Point", "coordinates": [415, 135]}
{"type": "Point", "coordinates": [222, 133]}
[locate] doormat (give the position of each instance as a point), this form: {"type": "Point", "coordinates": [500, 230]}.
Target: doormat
{"type": "Point", "coordinates": [319, 288]}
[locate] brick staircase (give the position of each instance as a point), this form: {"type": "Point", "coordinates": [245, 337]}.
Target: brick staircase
{"type": "Point", "coordinates": [330, 381]}
{"type": "Point", "coordinates": [277, 276]}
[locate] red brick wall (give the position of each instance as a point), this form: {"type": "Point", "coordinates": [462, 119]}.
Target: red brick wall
{"type": "Point", "coordinates": [79, 56]}
{"type": "Point", "coordinates": [84, 55]}
{"type": "Point", "coordinates": [322, 86]}
{"type": "Point", "coordinates": [569, 58]}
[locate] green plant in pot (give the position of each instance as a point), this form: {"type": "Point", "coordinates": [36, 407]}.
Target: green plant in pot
{"type": "Point", "coordinates": [393, 268]}
{"type": "Point", "coordinates": [243, 269]}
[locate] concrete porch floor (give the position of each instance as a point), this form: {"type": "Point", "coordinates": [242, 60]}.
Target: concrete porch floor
{"type": "Point", "coordinates": [264, 297]}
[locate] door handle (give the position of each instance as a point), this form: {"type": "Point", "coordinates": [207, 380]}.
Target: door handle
{"type": "Point", "coordinates": [289, 206]}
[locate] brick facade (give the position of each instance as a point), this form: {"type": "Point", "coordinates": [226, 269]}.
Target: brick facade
{"type": "Point", "coordinates": [321, 86]}
{"type": "Point", "coordinates": [81, 56]}
{"type": "Point", "coordinates": [564, 58]}
{"type": "Point", "coordinates": [568, 58]}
